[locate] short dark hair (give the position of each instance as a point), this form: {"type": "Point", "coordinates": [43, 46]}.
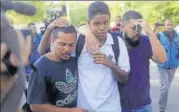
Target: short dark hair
{"type": "Point", "coordinates": [96, 8]}
{"type": "Point", "coordinates": [131, 15]}
{"type": "Point", "coordinates": [66, 29]}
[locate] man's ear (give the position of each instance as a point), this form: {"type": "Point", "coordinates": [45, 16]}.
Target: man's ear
{"type": "Point", "coordinates": [52, 40]}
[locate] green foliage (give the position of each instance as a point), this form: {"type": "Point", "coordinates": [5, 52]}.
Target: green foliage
{"type": "Point", "coordinates": [155, 11]}
{"type": "Point", "coordinates": [152, 11]}
{"type": "Point", "coordinates": [21, 19]}
{"type": "Point", "coordinates": [115, 9]}
{"type": "Point", "coordinates": [78, 13]}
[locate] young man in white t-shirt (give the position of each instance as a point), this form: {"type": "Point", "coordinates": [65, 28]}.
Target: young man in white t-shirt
{"type": "Point", "coordinates": [98, 72]}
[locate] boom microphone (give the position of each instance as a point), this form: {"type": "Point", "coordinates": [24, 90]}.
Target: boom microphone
{"type": "Point", "coordinates": [11, 94]}
{"type": "Point", "coordinates": [22, 8]}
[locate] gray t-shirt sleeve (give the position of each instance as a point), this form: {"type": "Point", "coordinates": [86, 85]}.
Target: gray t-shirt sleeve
{"type": "Point", "coordinates": [37, 88]}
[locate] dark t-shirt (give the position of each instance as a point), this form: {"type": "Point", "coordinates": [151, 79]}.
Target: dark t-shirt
{"type": "Point", "coordinates": [136, 93]}
{"type": "Point", "coordinates": [53, 82]}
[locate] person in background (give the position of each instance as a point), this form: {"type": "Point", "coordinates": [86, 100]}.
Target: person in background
{"type": "Point", "coordinates": [117, 26]}
{"type": "Point", "coordinates": [169, 38]}
{"type": "Point", "coordinates": [34, 55]}
{"type": "Point", "coordinates": [42, 30]}
{"type": "Point", "coordinates": [14, 57]}
{"type": "Point", "coordinates": [36, 38]}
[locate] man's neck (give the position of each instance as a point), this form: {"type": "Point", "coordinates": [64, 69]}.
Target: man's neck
{"type": "Point", "coordinates": [52, 56]}
{"type": "Point", "coordinates": [102, 41]}
{"type": "Point", "coordinates": [170, 34]}
{"type": "Point", "coordinates": [127, 44]}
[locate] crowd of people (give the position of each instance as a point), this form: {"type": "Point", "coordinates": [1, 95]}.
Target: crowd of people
{"type": "Point", "coordinates": [97, 68]}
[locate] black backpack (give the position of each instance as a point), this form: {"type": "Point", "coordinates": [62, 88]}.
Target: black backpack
{"type": "Point", "coordinates": [115, 46]}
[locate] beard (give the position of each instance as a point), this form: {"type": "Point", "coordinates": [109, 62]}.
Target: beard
{"type": "Point", "coordinates": [133, 42]}
{"type": "Point", "coordinates": [170, 33]}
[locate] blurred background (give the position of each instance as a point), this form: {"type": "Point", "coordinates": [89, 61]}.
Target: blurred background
{"type": "Point", "coordinates": [76, 11]}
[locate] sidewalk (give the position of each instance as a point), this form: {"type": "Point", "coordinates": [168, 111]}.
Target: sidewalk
{"type": "Point", "coordinates": [173, 98]}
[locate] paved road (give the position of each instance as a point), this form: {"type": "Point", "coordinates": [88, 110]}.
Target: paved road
{"type": "Point", "coordinates": [173, 100]}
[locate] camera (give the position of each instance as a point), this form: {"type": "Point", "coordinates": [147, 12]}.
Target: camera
{"type": "Point", "coordinates": [138, 28]}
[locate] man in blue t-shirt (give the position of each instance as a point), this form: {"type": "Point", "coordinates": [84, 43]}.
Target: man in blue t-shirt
{"type": "Point", "coordinates": [53, 80]}
{"type": "Point", "coordinates": [135, 95]}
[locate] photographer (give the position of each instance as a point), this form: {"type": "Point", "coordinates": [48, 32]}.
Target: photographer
{"type": "Point", "coordinates": [15, 51]}
{"type": "Point", "coordinates": [12, 77]}
{"type": "Point", "coordinates": [117, 26]}
{"type": "Point", "coordinates": [170, 41]}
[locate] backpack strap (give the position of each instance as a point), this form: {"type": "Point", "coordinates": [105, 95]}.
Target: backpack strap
{"type": "Point", "coordinates": [79, 45]}
{"type": "Point", "coordinates": [115, 46]}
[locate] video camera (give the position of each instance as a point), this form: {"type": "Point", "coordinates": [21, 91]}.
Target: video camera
{"type": "Point", "coordinates": [11, 95]}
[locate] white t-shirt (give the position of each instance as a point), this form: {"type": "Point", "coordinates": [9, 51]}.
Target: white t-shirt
{"type": "Point", "coordinates": [98, 90]}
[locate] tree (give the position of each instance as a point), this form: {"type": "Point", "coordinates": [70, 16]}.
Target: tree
{"type": "Point", "coordinates": [152, 11]}
{"type": "Point", "coordinates": [40, 6]}
{"type": "Point", "coordinates": [78, 15]}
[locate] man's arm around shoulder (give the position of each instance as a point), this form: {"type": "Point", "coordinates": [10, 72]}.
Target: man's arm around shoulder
{"type": "Point", "coordinates": [121, 70]}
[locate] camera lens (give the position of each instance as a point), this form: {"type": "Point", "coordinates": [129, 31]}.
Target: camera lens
{"type": "Point", "coordinates": [138, 28]}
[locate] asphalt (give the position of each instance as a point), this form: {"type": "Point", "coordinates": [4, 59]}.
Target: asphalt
{"type": "Point", "coordinates": [173, 98]}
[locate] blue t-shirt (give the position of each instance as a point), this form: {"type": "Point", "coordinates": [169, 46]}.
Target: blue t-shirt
{"type": "Point", "coordinates": [136, 93]}
{"type": "Point", "coordinates": [34, 54]}
{"type": "Point", "coordinates": [53, 82]}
